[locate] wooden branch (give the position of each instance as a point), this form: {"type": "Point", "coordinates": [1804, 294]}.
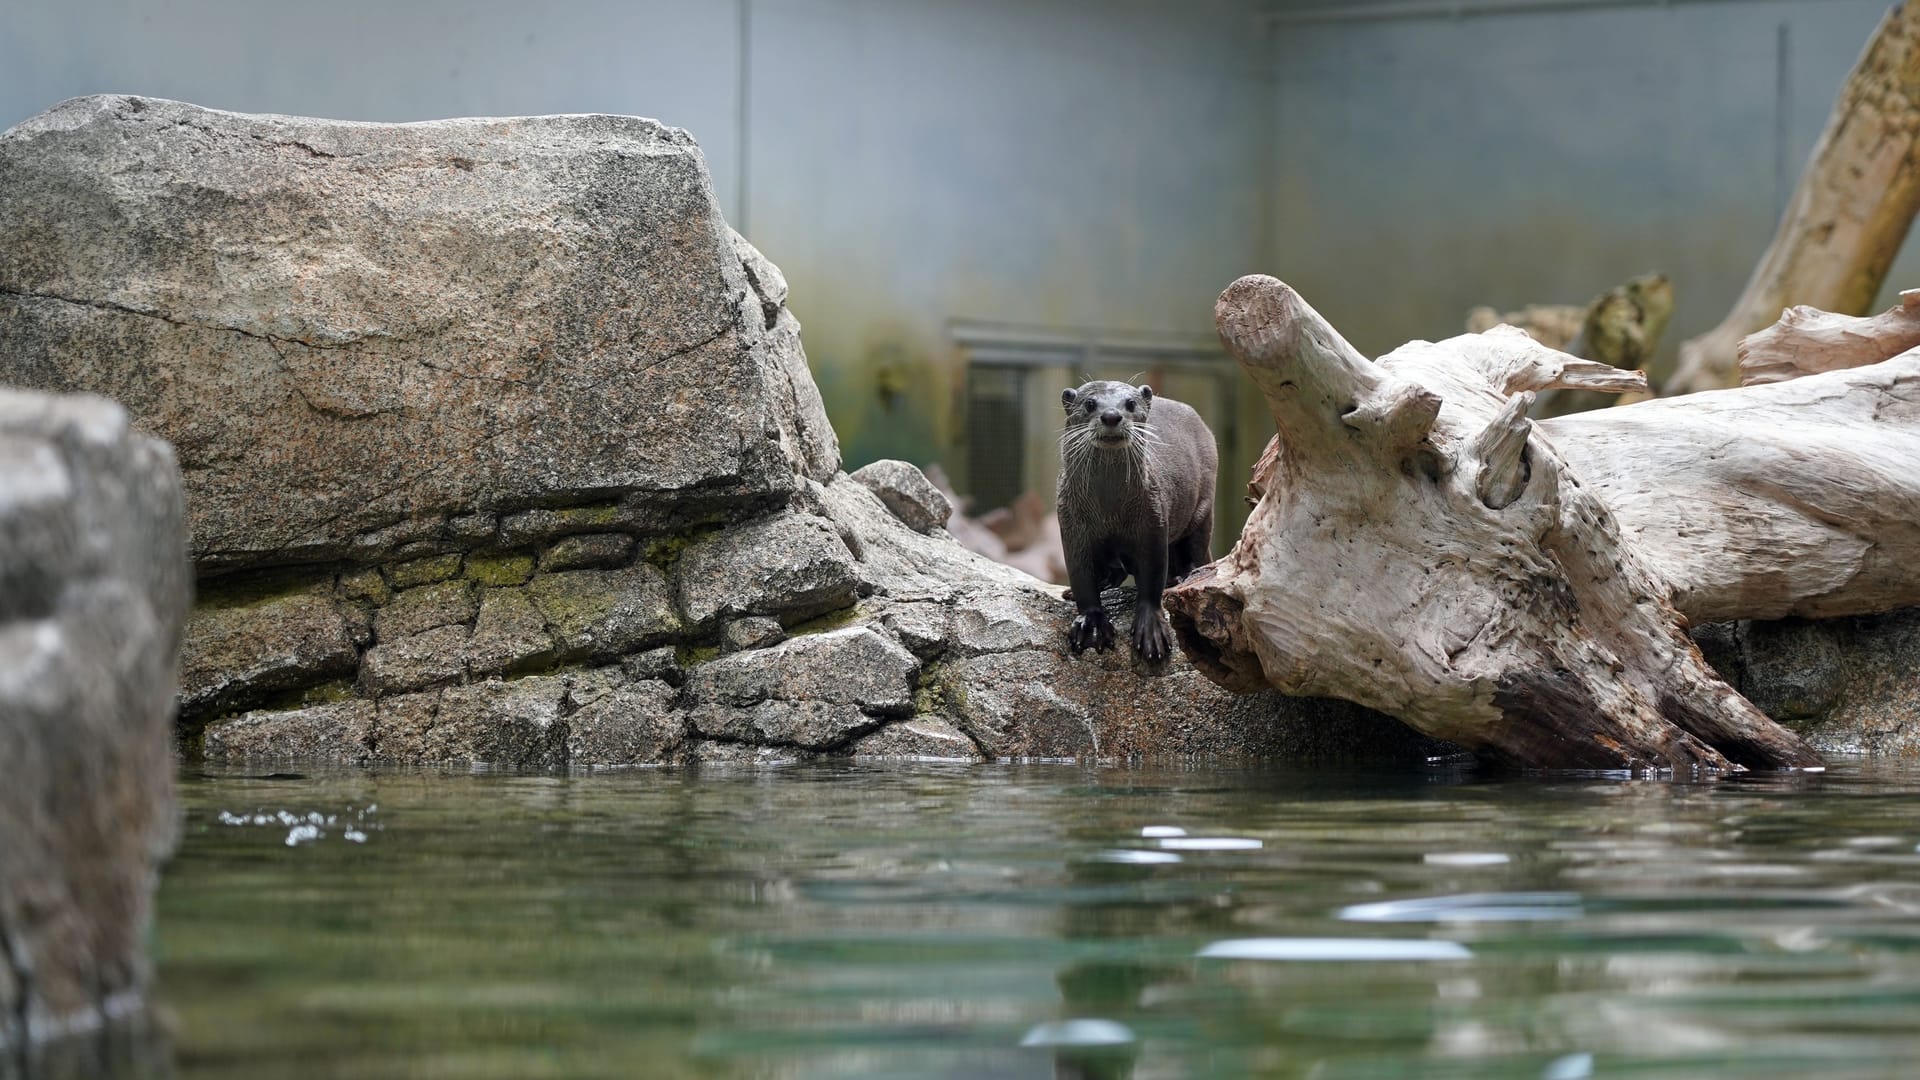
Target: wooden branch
{"type": "Point", "coordinates": [1321, 391]}
{"type": "Point", "coordinates": [1806, 341]}
{"type": "Point", "coordinates": [1850, 214]}
{"type": "Point", "coordinates": [1499, 454]}
{"type": "Point", "coordinates": [1492, 597]}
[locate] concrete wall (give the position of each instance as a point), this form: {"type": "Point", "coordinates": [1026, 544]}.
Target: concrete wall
{"type": "Point", "coordinates": [1065, 168]}
{"type": "Point", "coordinates": [1427, 165]}
{"type": "Point", "coordinates": [1050, 164]}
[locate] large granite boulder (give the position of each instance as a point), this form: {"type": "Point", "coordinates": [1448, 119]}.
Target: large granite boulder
{"type": "Point", "coordinates": [94, 590]}
{"type": "Point", "coordinates": [354, 333]}
{"type": "Point", "coordinates": [500, 446]}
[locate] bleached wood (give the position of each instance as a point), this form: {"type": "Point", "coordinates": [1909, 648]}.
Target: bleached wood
{"type": "Point", "coordinates": [1849, 215]}
{"type": "Point", "coordinates": [1511, 586]}
{"type": "Point", "coordinates": [1807, 340]}
{"type": "Point", "coordinates": [1791, 498]}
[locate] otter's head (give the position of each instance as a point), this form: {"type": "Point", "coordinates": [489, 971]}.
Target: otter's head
{"type": "Point", "coordinates": [1107, 415]}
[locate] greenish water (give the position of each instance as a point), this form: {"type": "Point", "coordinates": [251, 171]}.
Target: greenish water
{"type": "Point", "coordinates": [925, 921]}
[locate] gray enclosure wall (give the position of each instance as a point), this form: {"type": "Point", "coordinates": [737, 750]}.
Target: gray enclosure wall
{"type": "Point", "coordinates": [1426, 165]}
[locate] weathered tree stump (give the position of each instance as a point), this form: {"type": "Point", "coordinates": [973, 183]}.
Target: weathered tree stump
{"type": "Point", "coordinates": [1419, 546]}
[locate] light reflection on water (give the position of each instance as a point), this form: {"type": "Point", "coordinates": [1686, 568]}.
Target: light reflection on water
{"type": "Point", "coordinates": [1034, 921]}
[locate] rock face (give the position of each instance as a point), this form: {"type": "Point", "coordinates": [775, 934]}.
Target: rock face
{"type": "Point", "coordinates": [501, 447]}
{"type": "Point", "coordinates": [1849, 685]}
{"type": "Point", "coordinates": [354, 333]}
{"type": "Point", "coordinates": [94, 590]}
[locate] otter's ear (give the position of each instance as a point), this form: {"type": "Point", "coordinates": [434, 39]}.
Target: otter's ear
{"type": "Point", "coordinates": [1068, 397]}
{"type": "Point", "coordinates": [1146, 392]}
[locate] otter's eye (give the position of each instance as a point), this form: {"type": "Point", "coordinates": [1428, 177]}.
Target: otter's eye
{"type": "Point", "coordinates": [1130, 404]}
{"type": "Point", "coordinates": [1091, 406]}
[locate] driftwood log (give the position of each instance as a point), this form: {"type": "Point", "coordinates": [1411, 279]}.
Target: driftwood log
{"type": "Point", "coordinates": [1522, 588]}
{"type": "Point", "coordinates": [1849, 215]}
{"type": "Point", "coordinates": [1621, 327]}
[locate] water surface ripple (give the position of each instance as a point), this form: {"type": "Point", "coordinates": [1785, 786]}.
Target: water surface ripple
{"type": "Point", "coordinates": [1044, 920]}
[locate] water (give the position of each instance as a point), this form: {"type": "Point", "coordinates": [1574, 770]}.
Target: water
{"type": "Point", "coordinates": [1037, 921]}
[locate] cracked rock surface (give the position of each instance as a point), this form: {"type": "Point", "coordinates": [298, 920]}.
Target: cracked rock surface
{"type": "Point", "coordinates": [94, 589]}
{"type": "Point", "coordinates": [396, 321]}
{"type": "Point", "coordinates": [500, 446]}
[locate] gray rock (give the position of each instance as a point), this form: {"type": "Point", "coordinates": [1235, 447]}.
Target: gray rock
{"type": "Point", "coordinates": [473, 367]}
{"type": "Point", "coordinates": [751, 633]}
{"type": "Point", "coordinates": [855, 666]}
{"type": "Point", "coordinates": [632, 725]}
{"type": "Point", "coordinates": [365, 585]}
{"type": "Point", "coordinates": [604, 614]}
{"type": "Point", "coordinates": [1005, 620]}
{"type": "Point", "coordinates": [425, 571]}
{"type": "Point", "coordinates": [1012, 706]}
{"type": "Point", "coordinates": [907, 494]}
{"type": "Point", "coordinates": [591, 551]}
{"type": "Point", "coordinates": [809, 725]}
{"type": "Point", "coordinates": [420, 609]}
{"type": "Point", "coordinates": [472, 530]}
{"type": "Point", "coordinates": [496, 568]}
{"type": "Point", "coordinates": [588, 685]}
{"type": "Point", "coordinates": [923, 738]}
{"type": "Point", "coordinates": [1792, 668]}
{"type": "Point", "coordinates": [94, 591]}
{"type": "Point", "coordinates": [512, 725]}
{"type": "Point", "coordinates": [903, 565]}
{"type": "Point", "coordinates": [662, 664]}
{"type": "Point", "coordinates": [1850, 685]}
{"type": "Point", "coordinates": [509, 634]}
{"type": "Point", "coordinates": [541, 525]}
{"type": "Point", "coordinates": [708, 753]}
{"type": "Point", "coordinates": [1879, 707]}
{"type": "Point", "coordinates": [341, 731]}
{"type": "Point", "coordinates": [241, 646]}
{"type": "Point", "coordinates": [924, 628]}
{"type": "Point", "coordinates": [413, 663]}
{"type": "Point", "coordinates": [793, 566]}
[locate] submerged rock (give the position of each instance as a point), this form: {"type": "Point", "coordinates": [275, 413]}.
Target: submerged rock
{"type": "Point", "coordinates": [94, 589]}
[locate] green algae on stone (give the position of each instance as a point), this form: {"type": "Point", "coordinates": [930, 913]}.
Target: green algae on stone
{"type": "Point", "coordinates": [243, 645]}
{"type": "Point", "coordinates": [424, 571]}
{"type": "Point", "coordinates": [588, 551]}
{"type": "Point", "coordinates": [664, 551]}
{"type": "Point", "coordinates": [417, 610]}
{"type": "Point", "coordinates": [820, 624]}
{"type": "Point", "coordinates": [500, 569]}
{"type": "Point", "coordinates": [510, 635]}
{"type": "Point", "coordinates": [605, 613]}
{"type": "Point", "coordinates": [366, 585]}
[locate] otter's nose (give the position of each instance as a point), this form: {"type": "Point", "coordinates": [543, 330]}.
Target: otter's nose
{"type": "Point", "coordinates": [1111, 418]}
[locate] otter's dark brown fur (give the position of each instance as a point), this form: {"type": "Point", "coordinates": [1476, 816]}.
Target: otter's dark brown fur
{"type": "Point", "coordinates": [1135, 497]}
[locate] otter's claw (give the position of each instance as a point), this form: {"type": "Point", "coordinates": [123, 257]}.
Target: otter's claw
{"type": "Point", "coordinates": [1092, 630]}
{"type": "Point", "coordinates": [1151, 641]}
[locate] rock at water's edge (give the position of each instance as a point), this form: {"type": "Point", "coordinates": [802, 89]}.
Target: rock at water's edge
{"type": "Point", "coordinates": [94, 588]}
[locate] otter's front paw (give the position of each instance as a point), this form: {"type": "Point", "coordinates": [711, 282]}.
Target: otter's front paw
{"type": "Point", "coordinates": [1151, 640]}
{"type": "Point", "coordinates": [1092, 630]}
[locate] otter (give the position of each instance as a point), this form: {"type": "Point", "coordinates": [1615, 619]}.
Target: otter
{"type": "Point", "coordinates": [1135, 497]}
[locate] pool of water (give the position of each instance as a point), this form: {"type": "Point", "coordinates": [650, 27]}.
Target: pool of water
{"type": "Point", "coordinates": [1043, 920]}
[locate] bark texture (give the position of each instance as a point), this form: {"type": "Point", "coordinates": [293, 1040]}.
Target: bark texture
{"type": "Point", "coordinates": [1850, 214]}
{"type": "Point", "coordinates": [1419, 546]}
